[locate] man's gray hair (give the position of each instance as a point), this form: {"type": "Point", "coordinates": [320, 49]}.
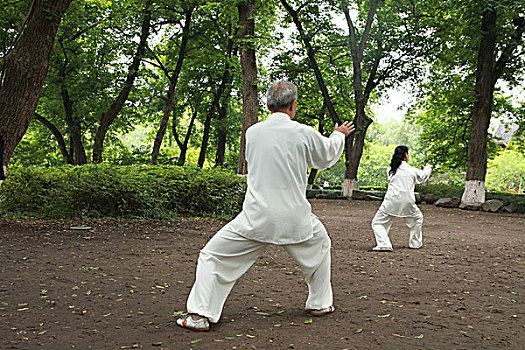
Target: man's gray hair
{"type": "Point", "coordinates": [280, 95]}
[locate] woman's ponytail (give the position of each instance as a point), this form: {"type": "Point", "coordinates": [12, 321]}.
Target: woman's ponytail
{"type": "Point", "coordinates": [397, 158]}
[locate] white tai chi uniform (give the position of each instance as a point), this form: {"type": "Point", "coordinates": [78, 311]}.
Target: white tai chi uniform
{"type": "Point", "coordinates": [275, 211]}
{"type": "Point", "coordinates": [400, 201]}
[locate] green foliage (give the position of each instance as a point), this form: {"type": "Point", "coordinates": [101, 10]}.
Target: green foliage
{"type": "Point", "coordinates": [506, 173]}
{"type": "Point", "coordinates": [375, 161]}
{"type": "Point", "coordinates": [333, 175]}
{"type": "Point", "coordinates": [394, 133]}
{"type": "Point", "coordinates": [132, 191]}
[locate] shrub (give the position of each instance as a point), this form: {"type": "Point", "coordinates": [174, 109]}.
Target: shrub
{"type": "Point", "coordinates": [132, 191]}
{"type": "Point", "coordinates": [440, 190]}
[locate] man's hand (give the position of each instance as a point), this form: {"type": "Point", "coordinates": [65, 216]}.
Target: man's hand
{"type": "Point", "coordinates": [346, 128]}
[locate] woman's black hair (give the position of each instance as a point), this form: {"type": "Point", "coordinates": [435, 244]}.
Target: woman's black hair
{"type": "Point", "coordinates": [397, 158]}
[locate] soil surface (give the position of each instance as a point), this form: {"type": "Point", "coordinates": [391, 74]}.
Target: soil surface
{"type": "Point", "coordinates": [120, 285]}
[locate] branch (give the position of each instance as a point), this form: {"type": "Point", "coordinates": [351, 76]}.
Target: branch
{"type": "Point", "coordinates": [58, 135]}
{"type": "Point", "coordinates": [506, 55]}
{"type": "Point", "coordinates": [369, 20]}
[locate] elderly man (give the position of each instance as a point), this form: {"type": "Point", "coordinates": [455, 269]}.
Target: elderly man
{"type": "Point", "coordinates": [275, 211]}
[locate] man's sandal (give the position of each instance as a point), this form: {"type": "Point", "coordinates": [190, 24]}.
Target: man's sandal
{"type": "Point", "coordinates": [322, 312]}
{"type": "Point", "coordinates": [201, 325]}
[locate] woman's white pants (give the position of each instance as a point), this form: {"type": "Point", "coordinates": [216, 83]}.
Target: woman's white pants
{"type": "Point", "coordinates": [227, 256]}
{"type": "Point", "coordinates": [381, 225]}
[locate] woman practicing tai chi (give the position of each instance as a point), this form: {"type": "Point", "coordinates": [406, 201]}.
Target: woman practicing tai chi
{"type": "Point", "coordinates": [400, 201]}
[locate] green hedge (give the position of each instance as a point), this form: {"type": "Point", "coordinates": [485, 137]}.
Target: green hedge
{"type": "Point", "coordinates": [440, 190]}
{"type": "Point", "coordinates": [132, 191]}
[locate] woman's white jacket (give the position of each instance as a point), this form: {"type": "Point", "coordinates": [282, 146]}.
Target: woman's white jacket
{"type": "Point", "coordinates": [400, 199]}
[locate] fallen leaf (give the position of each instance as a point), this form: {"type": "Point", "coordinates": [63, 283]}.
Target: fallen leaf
{"type": "Point", "coordinates": [308, 321]}
{"type": "Point", "coordinates": [387, 315]}
{"type": "Point", "coordinates": [195, 341]}
{"type": "Point", "coordinates": [419, 336]}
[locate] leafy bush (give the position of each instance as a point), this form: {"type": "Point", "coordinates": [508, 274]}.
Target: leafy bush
{"type": "Point", "coordinates": [506, 172]}
{"type": "Point", "coordinates": [440, 190]}
{"type": "Point", "coordinates": [133, 191]}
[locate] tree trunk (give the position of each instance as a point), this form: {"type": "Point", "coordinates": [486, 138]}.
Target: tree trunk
{"type": "Point", "coordinates": [163, 123]}
{"type": "Point", "coordinates": [354, 150]}
{"type": "Point", "coordinates": [484, 92]}
{"type": "Point", "coordinates": [355, 142]}
{"type": "Point", "coordinates": [215, 104]}
{"type": "Point", "coordinates": [311, 178]}
{"type": "Point", "coordinates": [250, 104]}
{"type": "Point", "coordinates": [24, 70]}
{"type": "Point", "coordinates": [173, 79]}
{"type": "Point", "coordinates": [109, 116]}
{"type": "Point", "coordinates": [183, 146]}
{"type": "Point", "coordinates": [58, 135]}
{"type": "Point", "coordinates": [223, 106]}
{"type": "Point", "coordinates": [221, 131]}
{"type": "Point", "coordinates": [205, 139]}
{"type": "Point", "coordinates": [76, 146]}
{"type": "Point", "coordinates": [487, 74]}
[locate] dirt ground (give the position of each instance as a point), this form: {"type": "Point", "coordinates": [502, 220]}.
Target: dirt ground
{"type": "Point", "coordinates": [120, 285]}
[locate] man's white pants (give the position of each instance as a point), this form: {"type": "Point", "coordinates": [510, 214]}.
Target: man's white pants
{"type": "Point", "coordinates": [227, 256]}
{"type": "Point", "coordinates": [382, 222]}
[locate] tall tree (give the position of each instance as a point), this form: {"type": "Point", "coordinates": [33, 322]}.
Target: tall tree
{"type": "Point", "coordinates": [215, 107]}
{"type": "Point", "coordinates": [488, 72]}
{"type": "Point", "coordinates": [355, 144]}
{"type": "Point", "coordinates": [173, 77]}
{"type": "Point", "coordinates": [183, 144]}
{"type": "Point", "coordinates": [460, 94]}
{"type": "Point", "coordinates": [109, 116]}
{"type": "Point", "coordinates": [250, 105]}
{"type": "Point", "coordinates": [381, 54]}
{"type": "Point", "coordinates": [23, 71]}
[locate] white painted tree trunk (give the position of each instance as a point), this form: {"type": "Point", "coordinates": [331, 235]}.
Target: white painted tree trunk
{"type": "Point", "coordinates": [474, 192]}
{"type": "Point", "coordinates": [349, 186]}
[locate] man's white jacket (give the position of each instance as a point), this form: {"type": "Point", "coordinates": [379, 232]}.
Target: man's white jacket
{"type": "Point", "coordinates": [399, 198]}
{"type": "Point", "coordinates": [279, 152]}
